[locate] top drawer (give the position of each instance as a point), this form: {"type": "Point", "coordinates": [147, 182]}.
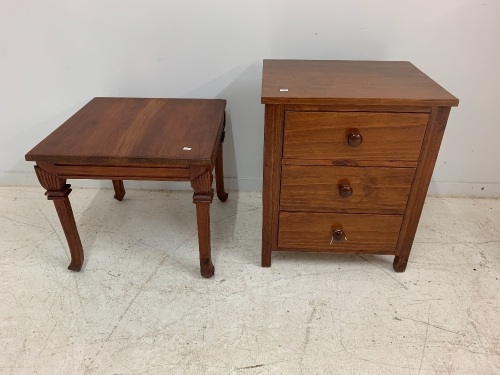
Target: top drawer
{"type": "Point", "coordinates": [354, 136]}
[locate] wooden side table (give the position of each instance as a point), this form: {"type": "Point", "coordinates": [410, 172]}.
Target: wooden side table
{"type": "Point", "coordinates": [349, 150]}
{"type": "Point", "coordinates": [136, 139]}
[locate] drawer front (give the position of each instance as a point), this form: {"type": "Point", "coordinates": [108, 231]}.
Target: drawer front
{"type": "Point", "coordinates": [313, 232]}
{"type": "Point", "coordinates": [345, 189]}
{"type": "Point", "coordinates": [354, 135]}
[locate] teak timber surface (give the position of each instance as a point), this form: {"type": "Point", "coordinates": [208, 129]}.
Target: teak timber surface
{"type": "Point", "coordinates": [319, 188]}
{"type": "Point", "coordinates": [313, 232]}
{"type": "Point", "coordinates": [324, 135]}
{"type": "Point", "coordinates": [136, 131]}
{"type": "Point", "coordinates": [335, 82]}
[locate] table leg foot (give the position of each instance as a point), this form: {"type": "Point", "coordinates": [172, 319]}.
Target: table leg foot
{"type": "Point", "coordinates": [207, 270]}
{"type": "Point", "coordinates": [119, 189]}
{"type": "Point", "coordinates": [74, 267]}
{"type": "Point", "coordinates": [266, 259]}
{"type": "Point", "coordinates": [222, 196]}
{"type": "Point", "coordinates": [399, 264]}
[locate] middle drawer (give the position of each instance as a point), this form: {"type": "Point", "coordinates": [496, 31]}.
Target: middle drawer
{"type": "Point", "coordinates": [345, 189]}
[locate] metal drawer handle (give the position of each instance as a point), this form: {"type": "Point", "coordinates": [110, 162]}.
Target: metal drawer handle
{"type": "Point", "coordinates": [338, 235]}
{"type": "Point", "coordinates": [354, 139]}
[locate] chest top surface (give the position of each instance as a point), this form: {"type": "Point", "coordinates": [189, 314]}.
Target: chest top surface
{"type": "Point", "coordinates": [135, 129]}
{"type": "Point", "coordinates": [339, 82]}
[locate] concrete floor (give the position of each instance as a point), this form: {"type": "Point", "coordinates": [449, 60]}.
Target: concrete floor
{"type": "Point", "coordinates": [139, 306]}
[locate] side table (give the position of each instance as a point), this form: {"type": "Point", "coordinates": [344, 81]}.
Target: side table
{"type": "Point", "coordinates": [136, 139]}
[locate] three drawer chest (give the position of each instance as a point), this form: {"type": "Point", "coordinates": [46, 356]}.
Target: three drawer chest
{"type": "Point", "coordinates": [349, 151]}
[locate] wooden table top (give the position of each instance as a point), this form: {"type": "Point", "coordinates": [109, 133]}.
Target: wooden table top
{"type": "Point", "coordinates": [122, 131]}
{"type": "Point", "coordinates": [350, 82]}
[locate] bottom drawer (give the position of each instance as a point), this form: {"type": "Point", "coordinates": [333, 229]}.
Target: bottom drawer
{"type": "Point", "coordinates": [325, 232]}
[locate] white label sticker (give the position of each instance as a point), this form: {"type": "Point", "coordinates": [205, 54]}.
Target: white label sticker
{"type": "Point", "coordinates": [283, 89]}
{"type": "Point", "coordinates": [187, 148]}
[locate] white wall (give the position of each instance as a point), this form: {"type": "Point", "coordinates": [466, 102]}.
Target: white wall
{"type": "Point", "coordinates": [55, 55]}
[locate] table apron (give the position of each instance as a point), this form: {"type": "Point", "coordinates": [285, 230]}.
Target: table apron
{"type": "Point", "coordinates": [122, 172]}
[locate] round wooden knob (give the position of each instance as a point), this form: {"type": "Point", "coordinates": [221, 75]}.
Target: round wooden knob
{"type": "Point", "coordinates": [338, 235]}
{"type": "Point", "coordinates": [354, 139]}
{"type": "Point", "coordinates": [345, 191]}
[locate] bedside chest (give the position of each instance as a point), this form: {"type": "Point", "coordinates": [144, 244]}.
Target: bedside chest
{"type": "Point", "coordinates": [349, 151]}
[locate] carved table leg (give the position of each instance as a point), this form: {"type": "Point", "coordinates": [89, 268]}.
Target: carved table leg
{"type": "Point", "coordinates": [201, 181]}
{"type": "Point", "coordinates": [119, 189]}
{"type": "Point", "coordinates": [219, 172]}
{"type": "Point", "coordinates": [58, 191]}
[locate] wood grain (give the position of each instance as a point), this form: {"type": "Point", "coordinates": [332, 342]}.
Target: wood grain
{"type": "Point", "coordinates": [316, 188]}
{"type": "Point", "coordinates": [67, 219]}
{"type": "Point", "coordinates": [423, 174]}
{"type": "Point", "coordinates": [354, 108]}
{"type": "Point", "coordinates": [396, 83]}
{"type": "Point", "coordinates": [323, 135]}
{"type": "Point", "coordinates": [313, 232]}
{"type": "Point", "coordinates": [123, 172]}
{"type": "Point", "coordinates": [273, 141]}
{"type": "Point", "coordinates": [353, 163]}
{"type": "Point", "coordinates": [150, 131]}
{"type": "Point", "coordinates": [201, 182]}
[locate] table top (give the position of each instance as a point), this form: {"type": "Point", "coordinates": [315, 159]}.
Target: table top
{"type": "Point", "coordinates": [136, 131]}
{"type": "Point", "coordinates": [338, 82]}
